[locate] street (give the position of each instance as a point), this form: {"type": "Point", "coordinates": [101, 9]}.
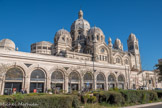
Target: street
{"type": "Point", "coordinates": [153, 106]}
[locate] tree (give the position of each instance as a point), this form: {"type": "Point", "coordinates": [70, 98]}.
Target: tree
{"type": "Point", "coordinates": [159, 71]}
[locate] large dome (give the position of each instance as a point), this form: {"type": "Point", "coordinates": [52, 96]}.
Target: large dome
{"type": "Point", "coordinates": [7, 44]}
{"type": "Point", "coordinates": [80, 23]}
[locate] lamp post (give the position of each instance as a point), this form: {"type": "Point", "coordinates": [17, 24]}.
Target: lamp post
{"type": "Point", "coordinates": [93, 56]}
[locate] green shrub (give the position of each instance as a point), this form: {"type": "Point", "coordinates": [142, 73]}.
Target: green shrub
{"type": "Point", "coordinates": [92, 99]}
{"type": "Point", "coordinates": [138, 96]}
{"type": "Point", "coordinates": [44, 101]}
{"type": "Point", "coordinates": [159, 93]}
{"type": "Point", "coordinates": [116, 98]}
{"type": "Point", "coordinates": [110, 97]}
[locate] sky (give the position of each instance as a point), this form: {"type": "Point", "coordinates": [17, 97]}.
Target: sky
{"type": "Point", "coordinates": [29, 21]}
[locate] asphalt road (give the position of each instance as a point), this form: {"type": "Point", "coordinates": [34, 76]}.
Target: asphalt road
{"type": "Point", "coordinates": [154, 106]}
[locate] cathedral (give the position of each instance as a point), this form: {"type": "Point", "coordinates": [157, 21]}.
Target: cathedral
{"type": "Point", "coordinates": [78, 59]}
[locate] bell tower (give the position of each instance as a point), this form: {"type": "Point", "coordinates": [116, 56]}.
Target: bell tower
{"type": "Point", "coordinates": [133, 48]}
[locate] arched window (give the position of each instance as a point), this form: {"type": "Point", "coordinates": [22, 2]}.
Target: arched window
{"type": "Point", "coordinates": [120, 78]}
{"type": "Point", "coordinates": [100, 77]}
{"type": "Point", "coordinates": [111, 78]}
{"type": "Point", "coordinates": [63, 38]}
{"type": "Point", "coordinates": [88, 77]}
{"type": "Point", "coordinates": [14, 74]}
{"type": "Point", "coordinates": [102, 50]}
{"type": "Point", "coordinates": [101, 38]}
{"type": "Point", "coordinates": [121, 82]}
{"type": "Point", "coordinates": [126, 61]}
{"type": "Point", "coordinates": [13, 81]}
{"type": "Point", "coordinates": [118, 60]}
{"type": "Point", "coordinates": [73, 77]}
{"type": "Point", "coordinates": [79, 31]}
{"type": "Point", "coordinates": [37, 75]}
{"type": "Point", "coordinates": [57, 76]}
{"type": "Point", "coordinates": [97, 37]}
{"type": "Point", "coordinates": [37, 80]}
{"type": "Point", "coordinates": [92, 37]}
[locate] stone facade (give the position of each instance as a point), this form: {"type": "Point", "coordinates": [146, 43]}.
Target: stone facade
{"type": "Point", "coordinates": [77, 60]}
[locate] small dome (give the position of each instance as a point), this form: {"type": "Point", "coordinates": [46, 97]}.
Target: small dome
{"type": "Point", "coordinates": [80, 23]}
{"type": "Point", "coordinates": [95, 30]}
{"type": "Point", "coordinates": [118, 44]}
{"type": "Point", "coordinates": [7, 44]}
{"type": "Point", "coordinates": [62, 32]}
{"type": "Point", "coordinates": [62, 36]}
{"type": "Point", "coordinates": [132, 36]}
{"type": "Point", "coordinates": [117, 41]}
{"type": "Point", "coordinates": [95, 34]}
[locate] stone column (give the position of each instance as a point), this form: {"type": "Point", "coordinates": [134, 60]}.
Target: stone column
{"type": "Point", "coordinates": [94, 84]}
{"type": "Point", "coordinates": [48, 83]}
{"type": "Point", "coordinates": [82, 84]}
{"type": "Point", "coordinates": [1, 86]}
{"type": "Point", "coordinates": [66, 84]}
{"type": "Point", "coordinates": [106, 84]}
{"type": "Point", "coordinates": [27, 84]}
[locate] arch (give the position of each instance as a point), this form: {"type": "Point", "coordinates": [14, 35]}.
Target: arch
{"type": "Point", "coordinates": [118, 60]}
{"type": "Point", "coordinates": [100, 77]}
{"type": "Point", "coordinates": [74, 81]}
{"type": "Point", "coordinates": [88, 76]}
{"type": "Point", "coordinates": [88, 81]}
{"type": "Point", "coordinates": [14, 73]}
{"type": "Point", "coordinates": [103, 46]}
{"type": "Point", "coordinates": [111, 81]}
{"type": "Point", "coordinates": [126, 57]}
{"type": "Point", "coordinates": [58, 68]}
{"type": "Point", "coordinates": [117, 55]}
{"type": "Point", "coordinates": [38, 66]}
{"type": "Point", "coordinates": [121, 81]}
{"type": "Point", "coordinates": [74, 76]}
{"type": "Point", "coordinates": [38, 75]}
{"type": "Point", "coordinates": [14, 80]}
{"type": "Point", "coordinates": [100, 81]}
{"type": "Point", "coordinates": [121, 78]}
{"type": "Point", "coordinates": [57, 76]}
{"type": "Point", "coordinates": [37, 80]}
{"type": "Point", "coordinates": [111, 78]}
{"type": "Point", "coordinates": [57, 79]}
{"type": "Point", "coordinates": [103, 53]}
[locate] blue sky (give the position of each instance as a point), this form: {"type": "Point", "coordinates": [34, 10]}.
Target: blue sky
{"type": "Point", "coordinates": [29, 21]}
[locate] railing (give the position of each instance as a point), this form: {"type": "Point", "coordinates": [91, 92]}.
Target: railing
{"type": "Point", "coordinates": [14, 79]}
{"type": "Point", "coordinates": [39, 79]}
{"type": "Point", "coordinates": [57, 80]}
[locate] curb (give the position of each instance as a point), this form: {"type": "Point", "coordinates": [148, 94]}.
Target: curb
{"type": "Point", "coordinates": [143, 105]}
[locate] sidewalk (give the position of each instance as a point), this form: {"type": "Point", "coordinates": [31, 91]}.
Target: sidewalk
{"type": "Point", "coordinates": [143, 105]}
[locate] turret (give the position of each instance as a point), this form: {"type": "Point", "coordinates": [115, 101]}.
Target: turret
{"type": "Point", "coordinates": [133, 48]}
